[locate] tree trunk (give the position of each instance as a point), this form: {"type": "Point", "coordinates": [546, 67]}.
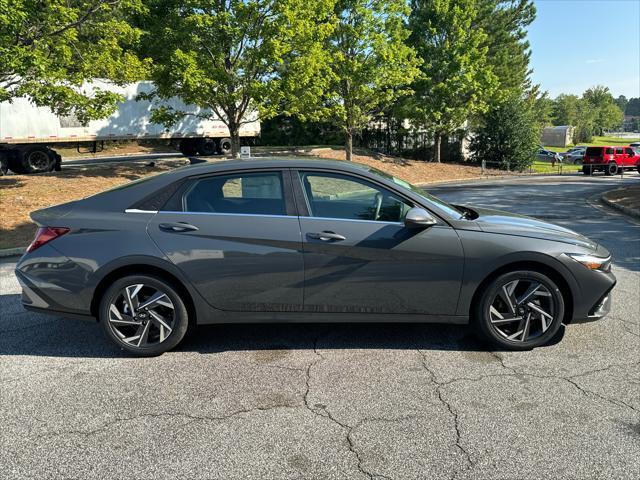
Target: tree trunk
{"type": "Point", "coordinates": [234, 131]}
{"type": "Point", "coordinates": [348, 145]}
{"type": "Point", "coordinates": [436, 147]}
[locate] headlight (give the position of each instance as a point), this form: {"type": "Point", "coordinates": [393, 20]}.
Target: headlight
{"type": "Point", "coordinates": [592, 262]}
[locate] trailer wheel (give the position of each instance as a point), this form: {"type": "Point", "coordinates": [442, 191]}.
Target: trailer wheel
{"type": "Point", "coordinates": [188, 147]}
{"type": "Point", "coordinates": [4, 164]}
{"type": "Point", "coordinates": [225, 146]}
{"type": "Point", "coordinates": [208, 146]}
{"type": "Point", "coordinates": [33, 159]}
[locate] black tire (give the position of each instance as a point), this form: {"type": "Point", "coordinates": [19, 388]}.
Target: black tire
{"type": "Point", "coordinates": [33, 159]}
{"type": "Point", "coordinates": [225, 146]}
{"type": "Point", "coordinates": [498, 333]}
{"type": "Point", "coordinates": [177, 317]}
{"type": "Point", "coordinates": [188, 147]}
{"type": "Point", "coordinates": [638, 168]}
{"type": "Point", "coordinates": [207, 147]}
{"type": "Point", "coordinates": [4, 164]}
{"type": "Point", "coordinates": [611, 169]}
{"type": "Point", "coordinates": [587, 170]}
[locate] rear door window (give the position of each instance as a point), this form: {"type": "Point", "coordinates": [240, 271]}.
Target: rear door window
{"type": "Point", "coordinates": [619, 151]}
{"type": "Point", "coordinates": [608, 151]}
{"type": "Point", "coordinates": [242, 193]}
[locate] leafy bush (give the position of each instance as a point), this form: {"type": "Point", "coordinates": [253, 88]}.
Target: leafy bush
{"type": "Point", "coordinates": [507, 136]}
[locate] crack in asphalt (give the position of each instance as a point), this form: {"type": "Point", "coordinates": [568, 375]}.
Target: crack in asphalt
{"type": "Point", "coordinates": [323, 411]}
{"type": "Point", "coordinates": [583, 390]}
{"type": "Point", "coordinates": [192, 419]}
{"type": "Point", "coordinates": [453, 413]}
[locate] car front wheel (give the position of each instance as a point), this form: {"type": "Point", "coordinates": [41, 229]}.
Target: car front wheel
{"type": "Point", "coordinates": [520, 310]}
{"type": "Point", "coordinates": [144, 315]}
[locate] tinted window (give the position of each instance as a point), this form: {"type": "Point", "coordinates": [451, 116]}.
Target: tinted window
{"type": "Point", "coordinates": [619, 151]}
{"type": "Point", "coordinates": [628, 151]}
{"type": "Point", "coordinates": [608, 151]}
{"type": "Point", "coordinates": [594, 151]}
{"type": "Point", "coordinates": [244, 193]}
{"type": "Point", "coordinates": [341, 196]}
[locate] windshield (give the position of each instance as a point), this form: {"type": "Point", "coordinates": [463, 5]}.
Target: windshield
{"type": "Point", "coordinates": [441, 204]}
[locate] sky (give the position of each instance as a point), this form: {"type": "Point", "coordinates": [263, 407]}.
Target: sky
{"type": "Point", "coordinates": [576, 44]}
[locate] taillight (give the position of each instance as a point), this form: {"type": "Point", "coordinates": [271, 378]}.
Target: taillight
{"type": "Point", "coordinates": [45, 235]}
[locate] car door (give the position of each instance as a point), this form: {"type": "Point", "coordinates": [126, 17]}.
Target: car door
{"type": "Point", "coordinates": [359, 256]}
{"type": "Point", "coordinates": [236, 237]}
{"type": "Point", "coordinates": [630, 159]}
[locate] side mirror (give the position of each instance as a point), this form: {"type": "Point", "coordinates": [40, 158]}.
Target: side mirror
{"type": "Point", "coordinates": [418, 218]}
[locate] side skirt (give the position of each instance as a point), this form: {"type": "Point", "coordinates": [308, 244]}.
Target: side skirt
{"type": "Point", "coordinates": [308, 317]}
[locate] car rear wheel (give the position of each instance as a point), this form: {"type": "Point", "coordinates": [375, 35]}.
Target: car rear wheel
{"type": "Point", "coordinates": [144, 315]}
{"type": "Point", "coordinates": [587, 169]}
{"type": "Point", "coordinates": [611, 169]}
{"type": "Point", "coordinates": [520, 310]}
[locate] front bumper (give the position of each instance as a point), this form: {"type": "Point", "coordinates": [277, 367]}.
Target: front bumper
{"type": "Point", "coordinates": [599, 310]}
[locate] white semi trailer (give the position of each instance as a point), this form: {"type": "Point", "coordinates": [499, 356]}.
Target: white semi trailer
{"type": "Point", "coordinates": [29, 134]}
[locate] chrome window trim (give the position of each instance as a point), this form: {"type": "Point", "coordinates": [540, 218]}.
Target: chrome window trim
{"type": "Point", "coordinates": [136, 210]}
{"type": "Point", "coordinates": [222, 214]}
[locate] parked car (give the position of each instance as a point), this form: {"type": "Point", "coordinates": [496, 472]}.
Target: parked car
{"type": "Point", "coordinates": [610, 160]}
{"type": "Point", "coordinates": [545, 155]}
{"type": "Point", "coordinates": [574, 155]}
{"type": "Point", "coordinates": [302, 240]}
{"type": "Point", "coordinates": [634, 144]}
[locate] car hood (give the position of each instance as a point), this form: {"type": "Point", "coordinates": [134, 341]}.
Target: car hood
{"type": "Point", "coordinates": [497, 221]}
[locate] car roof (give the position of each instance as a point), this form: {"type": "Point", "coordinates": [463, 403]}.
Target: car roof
{"type": "Point", "coordinates": [269, 162]}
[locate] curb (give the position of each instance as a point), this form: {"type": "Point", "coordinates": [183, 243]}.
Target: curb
{"type": "Point", "coordinates": [12, 252]}
{"type": "Point", "coordinates": [632, 212]}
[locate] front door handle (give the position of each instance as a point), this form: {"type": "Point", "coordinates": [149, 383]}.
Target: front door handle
{"type": "Point", "coordinates": [326, 236]}
{"type": "Point", "coordinates": [177, 227]}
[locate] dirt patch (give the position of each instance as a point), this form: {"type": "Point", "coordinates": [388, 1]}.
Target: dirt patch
{"type": "Point", "coordinates": [21, 194]}
{"type": "Point", "coordinates": [628, 197]}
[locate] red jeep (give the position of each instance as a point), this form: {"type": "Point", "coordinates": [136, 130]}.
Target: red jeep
{"type": "Point", "coordinates": [610, 160]}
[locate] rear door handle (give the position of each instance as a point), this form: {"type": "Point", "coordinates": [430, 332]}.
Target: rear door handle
{"type": "Point", "coordinates": [177, 227]}
{"type": "Point", "coordinates": [326, 236]}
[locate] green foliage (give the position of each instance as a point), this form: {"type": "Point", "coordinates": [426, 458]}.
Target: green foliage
{"type": "Point", "coordinates": [622, 102]}
{"type": "Point", "coordinates": [508, 135]}
{"type": "Point", "coordinates": [367, 65]}
{"type": "Point", "coordinates": [505, 22]}
{"type": "Point", "coordinates": [633, 107]}
{"type": "Point", "coordinates": [50, 48]}
{"type": "Point", "coordinates": [607, 114]}
{"type": "Point", "coordinates": [227, 56]}
{"type": "Point", "coordinates": [457, 78]}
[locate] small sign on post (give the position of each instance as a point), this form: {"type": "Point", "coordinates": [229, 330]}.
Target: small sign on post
{"type": "Point", "coordinates": [245, 152]}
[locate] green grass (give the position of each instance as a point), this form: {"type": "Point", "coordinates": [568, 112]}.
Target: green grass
{"type": "Point", "coordinates": [545, 167]}
{"type": "Point", "coordinates": [599, 141]}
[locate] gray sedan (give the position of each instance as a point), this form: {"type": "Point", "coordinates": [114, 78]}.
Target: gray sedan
{"type": "Point", "coordinates": [275, 240]}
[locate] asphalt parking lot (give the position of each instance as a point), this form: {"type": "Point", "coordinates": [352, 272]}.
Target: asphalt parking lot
{"type": "Point", "coordinates": [337, 401]}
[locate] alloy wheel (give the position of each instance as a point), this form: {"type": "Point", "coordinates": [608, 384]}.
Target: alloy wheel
{"type": "Point", "coordinates": [142, 316]}
{"type": "Point", "coordinates": [522, 310]}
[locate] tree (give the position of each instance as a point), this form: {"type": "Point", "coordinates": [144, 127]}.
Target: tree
{"type": "Point", "coordinates": [507, 135]}
{"type": "Point", "coordinates": [607, 114]}
{"type": "Point", "coordinates": [565, 110]}
{"type": "Point", "coordinates": [227, 56]}
{"type": "Point", "coordinates": [622, 102]}
{"type": "Point", "coordinates": [368, 65]}
{"type": "Point", "coordinates": [457, 79]}
{"type": "Point", "coordinates": [505, 22]}
{"type": "Point", "coordinates": [49, 49]}
{"type": "Point", "coordinates": [633, 107]}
